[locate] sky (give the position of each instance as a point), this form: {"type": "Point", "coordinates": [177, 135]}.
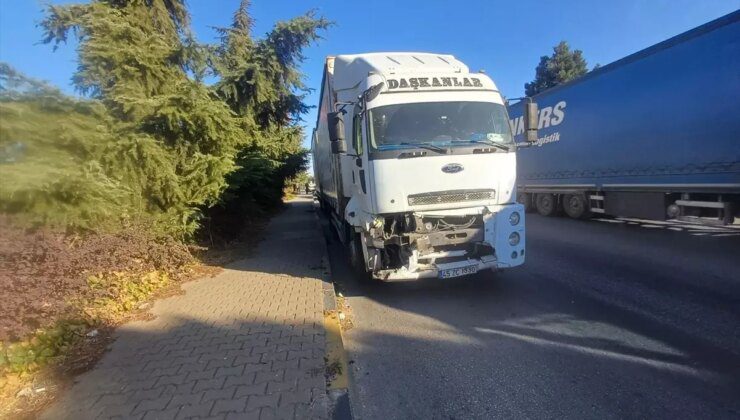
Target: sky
{"type": "Point", "coordinates": [504, 38]}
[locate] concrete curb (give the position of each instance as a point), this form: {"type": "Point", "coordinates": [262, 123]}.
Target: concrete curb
{"type": "Point", "coordinates": [336, 356]}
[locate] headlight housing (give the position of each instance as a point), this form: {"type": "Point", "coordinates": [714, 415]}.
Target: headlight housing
{"type": "Point", "coordinates": [514, 218]}
{"type": "Point", "coordinates": [514, 239]}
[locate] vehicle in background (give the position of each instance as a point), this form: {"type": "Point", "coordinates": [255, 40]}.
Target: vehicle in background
{"type": "Point", "coordinates": [655, 135]}
{"type": "Point", "coordinates": [424, 184]}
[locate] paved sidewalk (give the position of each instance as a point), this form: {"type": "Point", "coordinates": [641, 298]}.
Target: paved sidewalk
{"type": "Point", "coordinates": [248, 343]}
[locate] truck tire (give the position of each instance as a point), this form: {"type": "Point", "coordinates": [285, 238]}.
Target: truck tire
{"type": "Point", "coordinates": [576, 206]}
{"type": "Point", "coordinates": [545, 204]}
{"type": "Point", "coordinates": [525, 200]}
{"type": "Point", "coordinates": [356, 258]}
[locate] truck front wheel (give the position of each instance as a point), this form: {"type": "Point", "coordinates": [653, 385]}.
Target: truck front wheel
{"type": "Point", "coordinates": [525, 200]}
{"type": "Point", "coordinates": [357, 258]}
{"type": "Point", "coordinates": [545, 204]}
{"type": "Point", "coordinates": [575, 206]}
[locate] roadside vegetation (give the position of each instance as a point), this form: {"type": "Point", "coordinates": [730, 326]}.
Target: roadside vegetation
{"type": "Point", "coordinates": [105, 195]}
{"type": "Point", "coordinates": [562, 66]}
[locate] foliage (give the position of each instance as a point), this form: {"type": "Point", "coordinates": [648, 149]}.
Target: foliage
{"type": "Point", "coordinates": [45, 344]}
{"type": "Point", "coordinates": [50, 162]}
{"type": "Point", "coordinates": [153, 142]}
{"type": "Point", "coordinates": [562, 66]}
{"type": "Point", "coordinates": [111, 297]}
{"type": "Point", "coordinates": [150, 144]}
{"type": "Point", "coordinates": [260, 82]}
{"type": "Point", "coordinates": [51, 280]}
{"type": "Point", "coordinates": [117, 293]}
{"type": "Point", "coordinates": [174, 139]}
{"type": "Point", "coordinates": [298, 182]}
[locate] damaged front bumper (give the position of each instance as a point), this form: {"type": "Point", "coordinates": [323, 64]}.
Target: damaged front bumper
{"type": "Point", "coordinates": [498, 234]}
{"type": "Point", "coordinates": [438, 270]}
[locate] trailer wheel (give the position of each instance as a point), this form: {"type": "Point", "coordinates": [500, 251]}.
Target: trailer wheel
{"type": "Point", "coordinates": [545, 204]}
{"type": "Point", "coordinates": [525, 200]}
{"type": "Point", "coordinates": [575, 206]}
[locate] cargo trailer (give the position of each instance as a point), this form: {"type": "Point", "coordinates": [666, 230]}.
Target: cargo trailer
{"type": "Point", "coordinates": [655, 135]}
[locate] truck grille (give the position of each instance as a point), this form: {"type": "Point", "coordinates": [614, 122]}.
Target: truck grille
{"type": "Point", "coordinates": [457, 196]}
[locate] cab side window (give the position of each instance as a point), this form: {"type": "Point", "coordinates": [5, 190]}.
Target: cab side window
{"type": "Point", "coordinates": [357, 133]}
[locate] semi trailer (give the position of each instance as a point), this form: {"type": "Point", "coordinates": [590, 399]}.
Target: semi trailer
{"type": "Point", "coordinates": [655, 135]}
{"type": "Point", "coordinates": [415, 165]}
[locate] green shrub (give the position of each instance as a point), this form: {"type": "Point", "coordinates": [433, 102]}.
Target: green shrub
{"type": "Point", "coordinates": [51, 169]}
{"type": "Point", "coordinates": [45, 344]}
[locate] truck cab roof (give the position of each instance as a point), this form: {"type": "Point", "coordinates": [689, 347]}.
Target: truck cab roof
{"type": "Point", "coordinates": [349, 69]}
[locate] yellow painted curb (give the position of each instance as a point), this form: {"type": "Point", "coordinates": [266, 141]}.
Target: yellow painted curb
{"type": "Point", "coordinates": [336, 358]}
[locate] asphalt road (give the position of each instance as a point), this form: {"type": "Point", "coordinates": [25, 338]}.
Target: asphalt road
{"type": "Point", "coordinates": [606, 319]}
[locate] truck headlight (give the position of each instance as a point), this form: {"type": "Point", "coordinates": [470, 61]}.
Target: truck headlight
{"type": "Point", "coordinates": [514, 218]}
{"type": "Point", "coordinates": [514, 239]}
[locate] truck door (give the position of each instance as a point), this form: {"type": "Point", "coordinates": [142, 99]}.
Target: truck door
{"type": "Point", "coordinates": [360, 174]}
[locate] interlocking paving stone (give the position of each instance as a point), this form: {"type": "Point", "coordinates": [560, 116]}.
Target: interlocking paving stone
{"type": "Point", "coordinates": [236, 405]}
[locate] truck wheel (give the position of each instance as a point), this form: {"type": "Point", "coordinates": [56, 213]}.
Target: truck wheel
{"type": "Point", "coordinates": [356, 258]}
{"type": "Point", "coordinates": [525, 200]}
{"type": "Point", "coordinates": [545, 204]}
{"type": "Point", "coordinates": [575, 206]}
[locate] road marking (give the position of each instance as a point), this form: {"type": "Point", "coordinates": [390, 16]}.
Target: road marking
{"type": "Point", "coordinates": [672, 367]}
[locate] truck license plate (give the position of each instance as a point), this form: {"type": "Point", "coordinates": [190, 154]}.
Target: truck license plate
{"type": "Point", "coordinates": [457, 272]}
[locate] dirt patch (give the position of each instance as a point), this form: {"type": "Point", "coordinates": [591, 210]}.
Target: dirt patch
{"type": "Point", "coordinates": [345, 313]}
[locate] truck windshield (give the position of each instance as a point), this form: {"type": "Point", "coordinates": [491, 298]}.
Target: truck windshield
{"type": "Point", "coordinates": [447, 124]}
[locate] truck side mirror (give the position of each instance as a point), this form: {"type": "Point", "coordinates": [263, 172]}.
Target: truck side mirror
{"type": "Point", "coordinates": [336, 126]}
{"type": "Point", "coordinates": [336, 132]}
{"type": "Point", "coordinates": [531, 121]}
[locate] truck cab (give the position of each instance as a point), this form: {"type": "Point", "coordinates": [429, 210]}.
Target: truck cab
{"type": "Point", "coordinates": [415, 162]}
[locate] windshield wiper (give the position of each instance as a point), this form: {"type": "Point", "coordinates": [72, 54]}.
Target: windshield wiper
{"type": "Point", "coordinates": [427, 146]}
{"type": "Point", "coordinates": [490, 143]}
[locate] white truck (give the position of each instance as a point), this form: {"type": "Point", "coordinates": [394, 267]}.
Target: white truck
{"type": "Point", "coordinates": [415, 165]}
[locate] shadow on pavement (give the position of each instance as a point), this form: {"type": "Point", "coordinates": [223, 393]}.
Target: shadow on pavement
{"type": "Point", "coordinates": [198, 369]}
{"type": "Point", "coordinates": [291, 245]}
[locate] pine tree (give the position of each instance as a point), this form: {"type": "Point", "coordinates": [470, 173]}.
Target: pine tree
{"type": "Point", "coordinates": [175, 140]}
{"type": "Point", "coordinates": [562, 66]}
{"type": "Point", "coordinates": [260, 81]}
